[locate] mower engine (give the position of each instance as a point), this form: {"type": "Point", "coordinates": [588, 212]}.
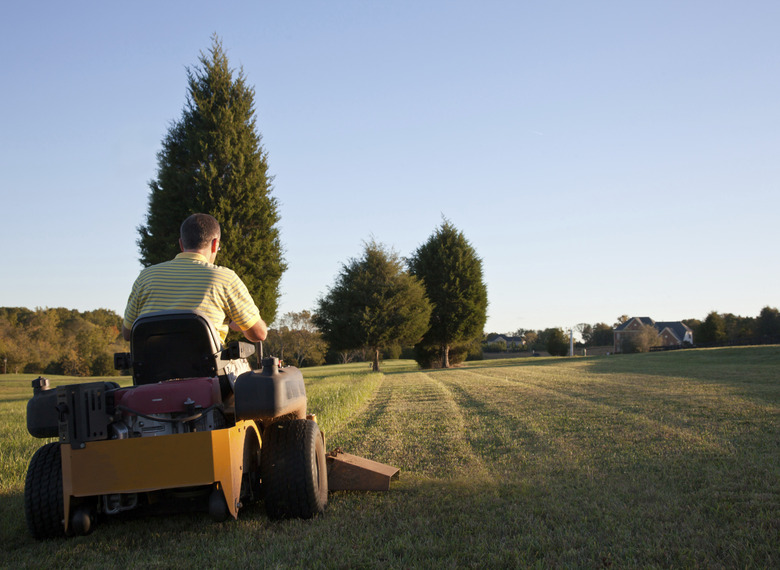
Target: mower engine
{"type": "Point", "coordinates": [95, 411]}
{"type": "Point", "coordinates": [180, 406]}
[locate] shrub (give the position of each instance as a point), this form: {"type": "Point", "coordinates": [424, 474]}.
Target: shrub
{"type": "Point", "coordinates": [641, 341]}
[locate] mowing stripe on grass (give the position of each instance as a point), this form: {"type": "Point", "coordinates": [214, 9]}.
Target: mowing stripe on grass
{"type": "Point", "coordinates": [413, 423]}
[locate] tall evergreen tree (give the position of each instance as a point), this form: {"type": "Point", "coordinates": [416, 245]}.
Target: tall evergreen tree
{"type": "Point", "coordinates": [451, 271]}
{"type": "Point", "coordinates": [374, 303]}
{"type": "Point", "coordinates": [212, 161]}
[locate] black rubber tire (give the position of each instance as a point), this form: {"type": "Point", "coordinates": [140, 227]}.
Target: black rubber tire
{"type": "Point", "coordinates": [293, 470]}
{"type": "Point", "coordinates": [43, 506]}
{"type": "Point", "coordinates": [250, 480]}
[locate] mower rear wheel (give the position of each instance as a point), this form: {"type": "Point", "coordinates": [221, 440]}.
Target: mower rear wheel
{"type": "Point", "coordinates": [293, 470]}
{"type": "Point", "coordinates": [43, 505]}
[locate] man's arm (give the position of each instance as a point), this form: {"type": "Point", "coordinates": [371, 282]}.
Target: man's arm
{"type": "Point", "coordinates": [255, 333]}
{"type": "Point", "coordinates": [125, 332]}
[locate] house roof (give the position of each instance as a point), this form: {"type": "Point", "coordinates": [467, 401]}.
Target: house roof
{"type": "Point", "coordinates": [643, 320]}
{"type": "Point", "coordinates": [678, 328]}
{"type": "Point", "coordinates": [506, 338]}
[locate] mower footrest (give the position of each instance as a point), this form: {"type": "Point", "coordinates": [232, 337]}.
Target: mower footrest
{"type": "Point", "coordinates": [348, 472]}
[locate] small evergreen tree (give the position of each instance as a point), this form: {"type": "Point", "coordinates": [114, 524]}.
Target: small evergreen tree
{"type": "Point", "coordinates": [557, 342]}
{"type": "Point", "coordinates": [451, 271]}
{"type": "Point", "coordinates": [212, 161]}
{"type": "Point", "coordinates": [374, 304]}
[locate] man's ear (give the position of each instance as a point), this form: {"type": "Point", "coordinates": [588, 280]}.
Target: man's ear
{"type": "Point", "coordinates": [181, 245]}
{"type": "Point", "coordinates": [215, 245]}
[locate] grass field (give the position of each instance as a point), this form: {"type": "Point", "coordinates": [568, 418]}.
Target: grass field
{"type": "Point", "coordinates": [649, 460]}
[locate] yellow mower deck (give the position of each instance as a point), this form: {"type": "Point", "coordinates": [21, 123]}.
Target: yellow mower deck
{"type": "Point", "coordinates": [144, 464]}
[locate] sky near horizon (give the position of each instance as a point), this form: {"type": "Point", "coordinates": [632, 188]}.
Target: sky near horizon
{"type": "Point", "coordinates": [603, 158]}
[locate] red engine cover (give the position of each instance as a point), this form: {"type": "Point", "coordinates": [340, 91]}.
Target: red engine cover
{"type": "Point", "coordinates": [169, 397]}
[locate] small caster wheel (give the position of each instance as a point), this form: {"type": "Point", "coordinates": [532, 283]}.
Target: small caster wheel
{"type": "Point", "coordinates": [82, 521]}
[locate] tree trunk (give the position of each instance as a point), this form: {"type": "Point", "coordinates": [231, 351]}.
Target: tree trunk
{"type": "Point", "coordinates": [376, 360]}
{"type": "Point", "coordinates": [445, 356]}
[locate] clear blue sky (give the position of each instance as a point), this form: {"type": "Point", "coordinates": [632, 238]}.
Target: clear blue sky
{"type": "Point", "coordinates": [603, 158]}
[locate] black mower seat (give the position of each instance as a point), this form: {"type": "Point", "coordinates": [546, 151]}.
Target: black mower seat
{"type": "Point", "coordinates": [167, 345]}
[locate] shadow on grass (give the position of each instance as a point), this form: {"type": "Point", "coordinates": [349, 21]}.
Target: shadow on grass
{"type": "Point", "coordinates": [13, 527]}
{"type": "Point", "coordinates": [171, 515]}
{"type": "Point", "coordinates": [651, 516]}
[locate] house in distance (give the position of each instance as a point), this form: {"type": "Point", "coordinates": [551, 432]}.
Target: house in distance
{"type": "Point", "coordinates": [670, 333]}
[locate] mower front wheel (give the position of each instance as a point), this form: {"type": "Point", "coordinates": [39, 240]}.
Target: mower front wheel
{"type": "Point", "coordinates": [293, 470]}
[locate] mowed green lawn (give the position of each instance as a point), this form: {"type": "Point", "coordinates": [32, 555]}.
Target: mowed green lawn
{"type": "Point", "coordinates": [651, 460]}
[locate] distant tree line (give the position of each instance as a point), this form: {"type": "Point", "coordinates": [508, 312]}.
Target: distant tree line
{"type": "Point", "coordinates": [60, 341]}
{"type": "Point", "coordinates": [554, 340]}
{"type": "Point", "coordinates": [726, 328]}
{"type": "Point", "coordinates": [73, 343]}
{"type": "Point", "coordinates": [295, 340]}
{"type": "Point", "coordinates": [717, 329]}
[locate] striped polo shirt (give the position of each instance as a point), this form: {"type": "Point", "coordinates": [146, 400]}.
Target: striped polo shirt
{"type": "Point", "coordinates": [189, 282]}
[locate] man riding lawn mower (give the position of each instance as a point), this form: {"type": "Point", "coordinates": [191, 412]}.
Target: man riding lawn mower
{"type": "Point", "coordinates": [197, 425]}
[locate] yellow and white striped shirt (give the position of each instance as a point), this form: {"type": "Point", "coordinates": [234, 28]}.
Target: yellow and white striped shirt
{"type": "Point", "coordinates": [190, 283]}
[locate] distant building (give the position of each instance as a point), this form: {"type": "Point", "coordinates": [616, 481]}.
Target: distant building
{"type": "Point", "coordinates": [511, 342]}
{"type": "Point", "coordinates": [671, 333]}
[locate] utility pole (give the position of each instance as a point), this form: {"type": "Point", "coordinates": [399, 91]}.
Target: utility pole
{"type": "Point", "coordinates": [571, 342]}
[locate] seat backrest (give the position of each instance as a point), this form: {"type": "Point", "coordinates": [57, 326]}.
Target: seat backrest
{"type": "Point", "coordinates": [174, 344]}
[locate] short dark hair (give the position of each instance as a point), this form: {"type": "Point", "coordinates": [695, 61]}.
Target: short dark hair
{"type": "Point", "coordinates": [198, 230]}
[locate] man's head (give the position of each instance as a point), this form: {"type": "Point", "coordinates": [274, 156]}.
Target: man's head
{"type": "Point", "coordinates": [198, 233]}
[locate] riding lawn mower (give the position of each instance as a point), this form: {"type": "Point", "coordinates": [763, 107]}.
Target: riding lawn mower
{"type": "Point", "coordinates": [197, 426]}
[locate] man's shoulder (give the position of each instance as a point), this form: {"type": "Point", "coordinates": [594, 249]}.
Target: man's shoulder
{"type": "Point", "coordinates": [225, 273]}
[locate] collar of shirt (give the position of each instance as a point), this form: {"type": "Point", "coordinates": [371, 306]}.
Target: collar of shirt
{"type": "Point", "coordinates": [191, 255]}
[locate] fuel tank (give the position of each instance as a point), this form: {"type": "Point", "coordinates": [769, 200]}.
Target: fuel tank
{"type": "Point", "coordinates": [42, 416]}
{"type": "Point", "coordinates": [262, 395]}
